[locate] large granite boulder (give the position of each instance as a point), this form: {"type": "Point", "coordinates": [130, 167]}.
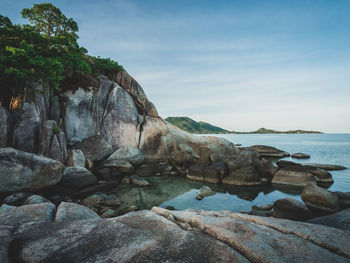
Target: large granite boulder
{"type": "Point", "coordinates": [71, 211]}
{"type": "Point", "coordinates": [339, 220]}
{"type": "Point", "coordinates": [289, 208]}
{"type": "Point", "coordinates": [21, 170]}
{"type": "Point", "coordinates": [15, 216]}
{"type": "Point", "coordinates": [320, 199]}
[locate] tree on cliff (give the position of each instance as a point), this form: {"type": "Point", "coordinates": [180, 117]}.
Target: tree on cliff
{"type": "Point", "coordinates": [49, 20]}
{"type": "Point", "coordinates": [46, 51]}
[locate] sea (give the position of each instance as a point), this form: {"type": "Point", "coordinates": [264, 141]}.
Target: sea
{"type": "Point", "coordinates": [323, 148]}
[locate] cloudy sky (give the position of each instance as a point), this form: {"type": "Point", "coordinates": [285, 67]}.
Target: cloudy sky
{"type": "Point", "coordinates": [240, 65]}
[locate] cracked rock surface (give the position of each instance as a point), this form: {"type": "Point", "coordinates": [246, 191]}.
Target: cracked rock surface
{"type": "Point", "coordinates": [162, 235]}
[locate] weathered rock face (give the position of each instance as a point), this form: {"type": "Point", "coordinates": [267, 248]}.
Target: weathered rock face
{"type": "Point", "coordinates": [300, 156]}
{"type": "Point", "coordinates": [20, 170]}
{"type": "Point", "coordinates": [320, 199]}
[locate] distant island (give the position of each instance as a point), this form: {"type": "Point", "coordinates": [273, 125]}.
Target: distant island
{"type": "Point", "coordinates": [200, 127]}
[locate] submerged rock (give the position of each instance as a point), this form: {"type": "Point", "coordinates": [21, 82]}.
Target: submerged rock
{"type": "Point", "coordinates": [204, 191]}
{"type": "Point", "coordinates": [35, 199]}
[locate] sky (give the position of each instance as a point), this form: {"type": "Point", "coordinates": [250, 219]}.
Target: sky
{"type": "Point", "coordinates": [240, 65]}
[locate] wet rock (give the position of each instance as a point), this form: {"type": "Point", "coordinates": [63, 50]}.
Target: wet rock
{"type": "Point", "coordinates": [146, 169]}
{"type": "Point", "coordinates": [267, 207]}
{"type": "Point", "coordinates": [35, 199]}
{"type": "Point", "coordinates": [77, 177]}
{"type": "Point", "coordinates": [292, 209]}
{"type": "Point", "coordinates": [300, 156]}
{"type": "Point", "coordinates": [339, 220]}
{"type": "Point", "coordinates": [139, 180]}
{"type": "Point", "coordinates": [113, 168]}
{"type": "Point", "coordinates": [95, 148]}
{"type": "Point", "coordinates": [204, 191]}
{"type": "Point", "coordinates": [242, 176]}
{"type": "Point", "coordinates": [327, 167]}
{"type": "Point", "coordinates": [319, 199]}
{"type": "Point", "coordinates": [266, 169]}
{"type": "Point", "coordinates": [111, 201]}
{"type": "Point", "coordinates": [283, 163]}
{"type": "Point", "coordinates": [15, 216]}
{"type": "Point", "coordinates": [293, 176]}
{"type": "Point", "coordinates": [16, 199]}
{"type": "Point", "coordinates": [76, 158]}
{"type": "Point", "coordinates": [71, 211]}
{"type": "Point", "coordinates": [261, 213]}
{"type": "Point", "coordinates": [108, 213]}
{"type": "Point", "coordinates": [128, 153]}
{"type": "Point", "coordinates": [20, 170]}
{"type": "Point", "coordinates": [94, 200]}
{"type": "Point", "coordinates": [269, 151]}
{"type": "Point", "coordinates": [344, 199]}
{"type": "Point", "coordinates": [322, 176]}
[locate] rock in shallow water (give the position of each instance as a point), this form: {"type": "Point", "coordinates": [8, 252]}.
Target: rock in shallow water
{"type": "Point", "coordinates": [292, 209]}
{"type": "Point", "coordinates": [293, 176]}
{"type": "Point", "coordinates": [320, 199]}
{"type": "Point", "coordinates": [339, 220]}
{"type": "Point", "coordinates": [204, 191]}
{"type": "Point", "coordinates": [300, 156]}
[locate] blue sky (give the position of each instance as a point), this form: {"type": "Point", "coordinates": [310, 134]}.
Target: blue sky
{"type": "Point", "coordinates": [241, 65]}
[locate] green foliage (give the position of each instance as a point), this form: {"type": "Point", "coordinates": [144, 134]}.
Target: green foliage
{"type": "Point", "coordinates": [192, 126]}
{"type": "Point", "coordinates": [46, 51]}
{"type": "Point", "coordinates": [56, 129]}
{"type": "Point", "coordinates": [49, 20]}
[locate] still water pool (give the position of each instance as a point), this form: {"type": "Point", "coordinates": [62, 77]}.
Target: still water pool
{"type": "Point", "coordinates": [323, 148]}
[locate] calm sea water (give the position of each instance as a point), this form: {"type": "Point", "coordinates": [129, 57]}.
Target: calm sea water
{"type": "Point", "coordinates": [323, 148]}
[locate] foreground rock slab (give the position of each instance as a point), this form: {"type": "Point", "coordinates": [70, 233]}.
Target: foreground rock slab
{"type": "Point", "coordinates": [162, 235]}
{"type": "Point", "coordinates": [136, 237]}
{"type": "Point", "coordinates": [287, 241]}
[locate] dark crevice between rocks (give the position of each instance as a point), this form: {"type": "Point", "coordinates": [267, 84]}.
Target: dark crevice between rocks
{"type": "Point", "coordinates": [106, 105]}
{"type": "Point", "coordinates": [140, 124]}
{"type": "Point", "coordinates": [291, 232]}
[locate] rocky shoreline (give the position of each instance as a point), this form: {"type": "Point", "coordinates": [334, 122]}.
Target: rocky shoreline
{"type": "Point", "coordinates": [62, 154]}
